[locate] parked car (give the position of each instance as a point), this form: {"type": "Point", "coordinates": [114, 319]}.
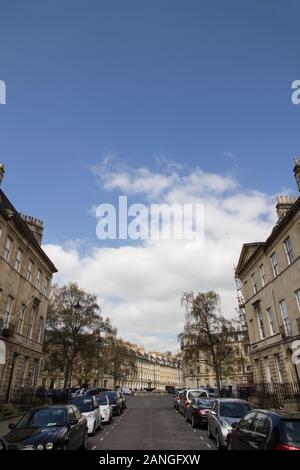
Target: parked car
{"type": "Point", "coordinates": [49, 427]}
{"type": "Point", "coordinates": [127, 391]}
{"type": "Point", "coordinates": [106, 409]}
{"type": "Point", "coordinates": [225, 412]}
{"type": "Point", "coordinates": [177, 398]}
{"type": "Point", "coordinates": [266, 430]}
{"type": "Point", "coordinates": [123, 400]}
{"type": "Point", "coordinates": [198, 410]}
{"type": "Point", "coordinates": [3, 445]}
{"type": "Point", "coordinates": [89, 407]}
{"type": "Point", "coordinates": [94, 391]}
{"type": "Point", "coordinates": [187, 396]}
{"type": "Point", "coordinates": [115, 402]}
{"type": "Point", "coordinates": [212, 392]}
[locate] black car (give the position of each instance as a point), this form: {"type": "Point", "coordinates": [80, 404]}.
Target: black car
{"type": "Point", "coordinates": [198, 410]}
{"type": "Point", "coordinates": [266, 430]}
{"type": "Point", "coordinates": [116, 402]}
{"type": "Point", "coordinates": [49, 427]}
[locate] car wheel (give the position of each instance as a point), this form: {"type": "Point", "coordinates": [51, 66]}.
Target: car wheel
{"type": "Point", "coordinates": [85, 441]}
{"type": "Point", "coordinates": [194, 424]}
{"type": "Point", "coordinates": [209, 435]}
{"type": "Point", "coordinates": [94, 430]}
{"type": "Point", "coordinates": [218, 442]}
{"type": "Point", "coordinates": [65, 446]}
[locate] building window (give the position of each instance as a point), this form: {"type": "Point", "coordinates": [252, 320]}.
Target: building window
{"type": "Point", "coordinates": [25, 371]}
{"type": "Point", "coordinates": [38, 279]}
{"type": "Point", "coordinates": [289, 250]}
{"type": "Point", "coordinates": [31, 321]}
{"type": "Point", "coordinates": [46, 287]}
{"type": "Point", "coordinates": [7, 249]}
{"type": "Point", "coordinates": [271, 321]}
{"type": "Point", "coordinates": [21, 319]}
{"type": "Point", "coordinates": [8, 310]}
{"type": "Point", "coordinates": [262, 275]}
{"type": "Point", "coordinates": [254, 285]}
{"type": "Point", "coordinates": [279, 368]}
{"type": "Point", "coordinates": [34, 372]}
{"type": "Point", "coordinates": [298, 298]}
{"type": "Point", "coordinates": [274, 264]}
{"type": "Point", "coordinates": [18, 260]}
{"type": "Point", "coordinates": [29, 271]}
{"type": "Point", "coordinates": [285, 318]}
{"type": "Point", "coordinates": [261, 324]}
{"type": "Point", "coordinates": [41, 330]}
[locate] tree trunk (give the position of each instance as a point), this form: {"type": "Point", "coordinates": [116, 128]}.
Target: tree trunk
{"type": "Point", "coordinates": [68, 375]}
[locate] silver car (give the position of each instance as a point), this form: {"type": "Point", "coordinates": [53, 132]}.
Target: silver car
{"type": "Point", "coordinates": [225, 412]}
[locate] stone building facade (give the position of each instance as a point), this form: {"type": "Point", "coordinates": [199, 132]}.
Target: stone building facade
{"type": "Point", "coordinates": [25, 279]}
{"type": "Point", "coordinates": [269, 273]}
{"type": "Point", "coordinates": [153, 370]}
{"type": "Point", "coordinates": [200, 372]}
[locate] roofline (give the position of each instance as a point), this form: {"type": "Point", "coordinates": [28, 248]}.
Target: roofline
{"type": "Point", "coordinates": [24, 228]}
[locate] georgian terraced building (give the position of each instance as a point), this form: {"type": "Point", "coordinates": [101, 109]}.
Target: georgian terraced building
{"type": "Point", "coordinates": [25, 280]}
{"type": "Point", "coordinates": [269, 273]}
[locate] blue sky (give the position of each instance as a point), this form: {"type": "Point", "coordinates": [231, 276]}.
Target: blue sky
{"type": "Point", "coordinates": [203, 83]}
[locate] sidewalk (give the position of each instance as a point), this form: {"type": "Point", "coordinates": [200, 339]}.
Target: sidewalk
{"type": "Point", "coordinates": [4, 425]}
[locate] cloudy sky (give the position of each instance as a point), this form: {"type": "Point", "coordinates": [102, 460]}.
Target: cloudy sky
{"type": "Point", "coordinates": [162, 101]}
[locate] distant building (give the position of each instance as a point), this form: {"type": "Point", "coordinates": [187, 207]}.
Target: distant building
{"type": "Point", "coordinates": [25, 280]}
{"type": "Point", "coordinates": [269, 273]}
{"type": "Point", "coordinates": [200, 372]}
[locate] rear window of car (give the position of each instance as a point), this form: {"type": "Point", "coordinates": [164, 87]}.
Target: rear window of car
{"type": "Point", "coordinates": [290, 430]}
{"type": "Point", "coordinates": [197, 394]}
{"type": "Point", "coordinates": [234, 409]}
{"type": "Point", "coordinates": [205, 403]}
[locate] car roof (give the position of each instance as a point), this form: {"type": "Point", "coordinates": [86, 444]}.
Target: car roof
{"type": "Point", "coordinates": [52, 407]}
{"type": "Point", "coordinates": [237, 400]}
{"type": "Point", "coordinates": [279, 413]}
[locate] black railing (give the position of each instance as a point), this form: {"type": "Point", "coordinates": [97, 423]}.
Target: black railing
{"type": "Point", "coordinates": [24, 399]}
{"type": "Point", "coordinates": [271, 395]}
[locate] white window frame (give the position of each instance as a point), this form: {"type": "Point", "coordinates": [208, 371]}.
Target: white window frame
{"type": "Point", "coordinates": [262, 275]}
{"type": "Point", "coordinates": [289, 250]}
{"type": "Point", "coordinates": [30, 270]}
{"type": "Point", "coordinates": [7, 248]}
{"type": "Point", "coordinates": [32, 321]}
{"type": "Point", "coordinates": [18, 260]}
{"type": "Point", "coordinates": [271, 321]}
{"type": "Point", "coordinates": [38, 279]}
{"type": "Point", "coordinates": [8, 309]}
{"type": "Point", "coordinates": [261, 326]}
{"type": "Point", "coordinates": [274, 264]}
{"type": "Point", "coordinates": [46, 286]}
{"type": "Point", "coordinates": [285, 317]}
{"type": "Point", "coordinates": [297, 293]}
{"type": "Point", "coordinates": [21, 319]}
{"type": "Point", "coordinates": [254, 283]}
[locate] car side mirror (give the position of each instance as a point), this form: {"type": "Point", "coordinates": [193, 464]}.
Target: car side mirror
{"type": "Point", "coordinates": [213, 413]}
{"type": "Point", "coordinates": [234, 425]}
{"type": "Point", "coordinates": [11, 426]}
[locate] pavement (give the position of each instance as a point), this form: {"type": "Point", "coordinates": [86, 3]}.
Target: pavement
{"type": "Point", "coordinates": [150, 423]}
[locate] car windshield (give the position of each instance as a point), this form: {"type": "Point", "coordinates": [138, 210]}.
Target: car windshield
{"type": "Point", "coordinates": [234, 409]}
{"type": "Point", "coordinates": [204, 403]}
{"type": "Point", "coordinates": [198, 393]}
{"type": "Point", "coordinates": [101, 399]}
{"type": "Point", "coordinates": [112, 396]}
{"type": "Point", "coordinates": [44, 418]}
{"type": "Point", "coordinates": [84, 404]}
{"type": "Point", "coordinates": [291, 432]}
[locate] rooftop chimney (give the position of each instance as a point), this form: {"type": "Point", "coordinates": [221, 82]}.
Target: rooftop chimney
{"type": "Point", "coordinates": [284, 203]}
{"type": "Point", "coordinates": [2, 171]}
{"type": "Point", "coordinates": [297, 171]}
{"type": "Point", "coordinates": [35, 225]}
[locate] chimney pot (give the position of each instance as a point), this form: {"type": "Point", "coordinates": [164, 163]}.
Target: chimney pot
{"type": "Point", "coordinates": [297, 171]}
{"type": "Point", "coordinates": [2, 171]}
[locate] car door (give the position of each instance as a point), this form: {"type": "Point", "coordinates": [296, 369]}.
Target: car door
{"type": "Point", "coordinates": [73, 428]}
{"type": "Point", "coordinates": [213, 418]}
{"type": "Point", "coordinates": [241, 436]}
{"type": "Point", "coordinates": [97, 412]}
{"type": "Point", "coordinates": [261, 430]}
{"type": "Point", "coordinates": [81, 427]}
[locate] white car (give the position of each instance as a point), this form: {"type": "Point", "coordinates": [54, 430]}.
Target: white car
{"type": "Point", "coordinates": [126, 391]}
{"type": "Point", "coordinates": [105, 407]}
{"type": "Point", "coordinates": [89, 408]}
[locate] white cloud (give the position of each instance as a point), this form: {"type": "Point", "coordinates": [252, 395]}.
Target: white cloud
{"type": "Point", "coordinates": [140, 287]}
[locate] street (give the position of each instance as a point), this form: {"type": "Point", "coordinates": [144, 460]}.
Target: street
{"type": "Point", "coordinates": [150, 423]}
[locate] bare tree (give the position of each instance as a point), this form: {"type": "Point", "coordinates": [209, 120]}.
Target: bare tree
{"type": "Point", "coordinates": [208, 331]}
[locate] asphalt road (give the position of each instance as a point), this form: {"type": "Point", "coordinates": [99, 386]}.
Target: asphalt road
{"type": "Point", "coordinates": [150, 423]}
